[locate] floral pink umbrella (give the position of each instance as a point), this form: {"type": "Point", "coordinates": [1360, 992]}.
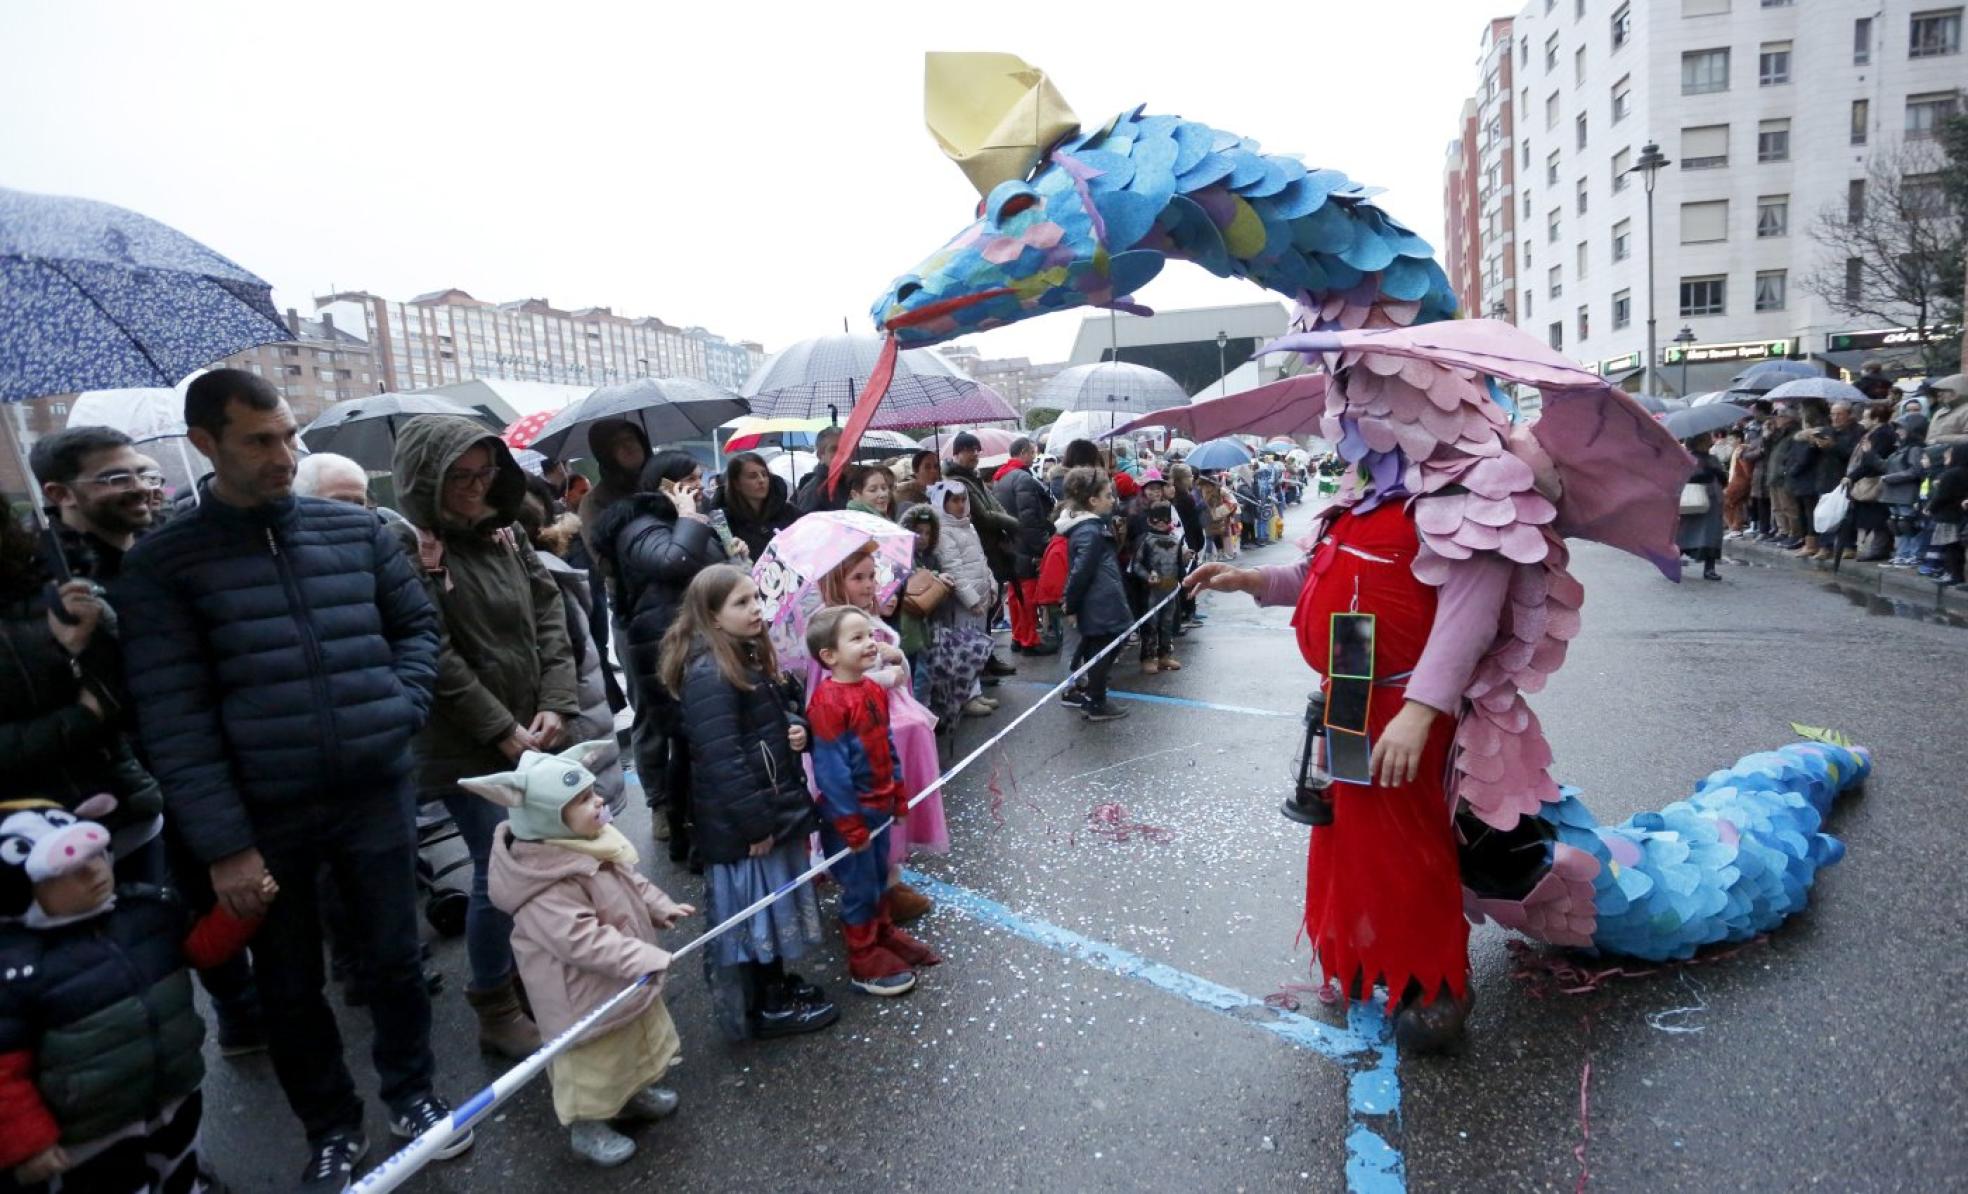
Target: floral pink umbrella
{"type": "Point", "coordinates": [789, 571]}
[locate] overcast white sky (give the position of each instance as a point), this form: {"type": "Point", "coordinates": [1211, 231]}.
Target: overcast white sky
{"type": "Point", "coordinates": [757, 168]}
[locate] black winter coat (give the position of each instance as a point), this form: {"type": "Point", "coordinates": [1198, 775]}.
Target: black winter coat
{"type": "Point", "coordinates": [1094, 592]}
{"type": "Point", "coordinates": [746, 780]}
{"type": "Point", "coordinates": [653, 554]}
{"type": "Point", "coordinates": [1026, 498]}
{"type": "Point", "coordinates": [757, 530]}
{"type": "Point", "coordinates": [52, 747]}
{"type": "Point", "coordinates": [281, 659]}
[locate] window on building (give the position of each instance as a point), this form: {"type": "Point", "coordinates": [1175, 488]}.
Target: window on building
{"type": "Point", "coordinates": [1704, 222]}
{"type": "Point", "coordinates": [1556, 334]}
{"type": "Point", "coordinates": [1622, 309]}
{"type": "Point", "coordinates": [1706, 295]}
{"type": "Point", "coordinates": [1773, 140]}
{"type": "Point", "coordinates": [1861, 41]}
{"type": "Point", "coordinates": [1527, 153]}
{"type": "Point", "coordinates": [1923, 194]}
{"type": "Point", "coordinates": [324, 375]}
{"type": "Point", "coordinates": [1855, 199]}
{"type": "Point", "coordinates": [1770, 287]}
{"type": "Point", "coordinates": [1622, 240]}
{"type": "Point", "coordinates": [1861, 121]}
{"type": "Point", "coordinates": [1554, 281]}
{"type": "Point", "coordinates": [1773, 64]}
{"type": "Point", "coordinates": [1529, 295]}
{"type": "Point", "coordinates": [1551, 169]}
{"type": "Point", "coordinates": [1705, 147]}
{"type": "Point", "coordinates": [1926, 113]}
{"type": "Point", "coordinates": [1551, 224]}
{"type": "Point", "coordinates": [1777, 3]}
{"type": "Point", "coordinates": [1527, 205]}
{"type": "Point", "coordinates": [289, 350]}
{"type": "Point", "coordinates": [1622, 99]}
{"type": "Point", "coordinates": [1527, 252]}
{"type": "Point", "coordinates": [1854, 279]}
{"type": "Point", "coordinates": [1772, 216]}
{"type": "Point", "coordinates": [1584, 324]}
{"type": "Point", "coordinates": [1704, 71]}
{"type": "Point", "coordinates": [1578, 129]}
{"type": "Point", "coordinates": [1551, 53]}
{"type": "Point", "coordinates": [1551, 111]}
{"type": "Point", "coordinates": [290, 370]}
{"type": "Point", "coordinates": [1578, 9]}
{"type": "Point", "coordinates": [1622, 25]}
{"type": "Point", "coordinates": [1578, 67]}
{"type": "Point", "coordinates": [1622, 163]}
{"type": "Point", "coordinates": [1582, 262]}
{"type": "Point", "coordinates": [1934, 33]}
{"type": "Point", "coordinates": [1704, 8]}
{"type": "Point", "coordinates": [1582, 191]}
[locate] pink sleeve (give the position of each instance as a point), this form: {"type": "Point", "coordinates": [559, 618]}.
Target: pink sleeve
{"type": "Point", "coordinates": [1468, 611]}
{"type": "Point", "coordinates": [1283, 582]}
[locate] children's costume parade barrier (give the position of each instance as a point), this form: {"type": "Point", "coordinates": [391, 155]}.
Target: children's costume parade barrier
{"type": "Point", "coordinates": [412, 1157]}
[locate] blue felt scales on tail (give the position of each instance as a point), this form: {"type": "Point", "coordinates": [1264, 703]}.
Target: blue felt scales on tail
{"type": "Point", "coordinates": [1728, 863]}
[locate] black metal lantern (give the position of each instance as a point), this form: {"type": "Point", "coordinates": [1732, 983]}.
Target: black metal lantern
{"type": "Point", "coordinates": [1310, 803]}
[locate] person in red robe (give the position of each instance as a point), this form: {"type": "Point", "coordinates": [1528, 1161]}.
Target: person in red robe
{"type": "Point", "coordinates": [1383, 899]}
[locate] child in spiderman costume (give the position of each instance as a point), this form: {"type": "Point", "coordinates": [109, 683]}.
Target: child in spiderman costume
{"type": "Point", "coordinates": [854, 766]}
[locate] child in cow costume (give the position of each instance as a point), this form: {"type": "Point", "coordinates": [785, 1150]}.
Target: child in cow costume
{"type": "Point", "coordinates": [99, 1041]}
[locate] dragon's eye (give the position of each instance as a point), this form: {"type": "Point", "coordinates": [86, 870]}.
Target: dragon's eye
{"type": "Point", "coordinates": [1015, 205]}
{"type": "Point", "coordinates": [1008, 199]}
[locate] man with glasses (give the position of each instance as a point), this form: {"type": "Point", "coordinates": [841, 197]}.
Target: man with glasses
{"type": "Point", "coordinates": [282, 653]}
{"type": "Point", "coordinates": [98, 490]}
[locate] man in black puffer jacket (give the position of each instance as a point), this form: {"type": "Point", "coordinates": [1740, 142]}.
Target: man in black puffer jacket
{"type": "Point", "coordinates": [281, 652]}
{"type": "Point", "coordinates": [1027, 499]}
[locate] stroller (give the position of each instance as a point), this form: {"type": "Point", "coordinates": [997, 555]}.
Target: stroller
{"type": "Point", "coordinates": [1255, 512]}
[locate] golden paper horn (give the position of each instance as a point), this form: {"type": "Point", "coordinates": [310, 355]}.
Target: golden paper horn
{"type": "Point", "coordinates": [993, 114]}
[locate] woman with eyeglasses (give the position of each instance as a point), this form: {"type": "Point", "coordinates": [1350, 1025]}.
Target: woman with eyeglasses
{"type": "Point", "coordinates": [506, 680]}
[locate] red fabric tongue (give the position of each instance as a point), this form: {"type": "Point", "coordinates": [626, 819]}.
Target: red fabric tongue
{"type": "Point", "coordinates": [865, 405]}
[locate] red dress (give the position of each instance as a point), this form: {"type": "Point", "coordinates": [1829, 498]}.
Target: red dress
{"type": "Point", "coordinates": [1383, 892]}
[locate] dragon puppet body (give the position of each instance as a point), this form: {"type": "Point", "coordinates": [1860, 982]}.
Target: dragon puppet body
{"type": "Point", "coordinates": [1411, 401]}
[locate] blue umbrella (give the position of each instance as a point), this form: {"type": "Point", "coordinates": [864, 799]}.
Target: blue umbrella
{"type": "Point", "coordinates": [93, 297]}
{"type": "Point", "coordinates": [1279, 447]}
{"type": "Point", "coordinates": [1221, 453]}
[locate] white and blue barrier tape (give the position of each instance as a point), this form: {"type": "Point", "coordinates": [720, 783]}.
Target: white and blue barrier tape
{"type": "Point", "coordinates": [407, 1161]}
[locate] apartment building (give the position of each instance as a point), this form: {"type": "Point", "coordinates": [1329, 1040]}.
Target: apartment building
{"type": "Point", "coordinates": [1768, 112]}
{"type": "Point", "coordinates": [322, 364]}
{"type": "Point", "coordinates": [1479, 185]}
{"type": "Point", "coordinates": [449, 336]}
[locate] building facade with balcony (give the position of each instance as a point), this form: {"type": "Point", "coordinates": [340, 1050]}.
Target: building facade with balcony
{"type": "Point", "coordinates": [449, 336]}
{"type": "Point", "coordinates": [1770, 112]}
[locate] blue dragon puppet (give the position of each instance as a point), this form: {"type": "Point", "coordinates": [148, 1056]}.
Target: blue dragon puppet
{"type": "Point", "coordinates": [1074, 217]}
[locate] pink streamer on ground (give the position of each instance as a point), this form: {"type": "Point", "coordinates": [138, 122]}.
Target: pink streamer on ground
{"type": "Point", "coordinates": [1110, 821]}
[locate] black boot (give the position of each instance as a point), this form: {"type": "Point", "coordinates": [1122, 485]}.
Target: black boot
{"type": "Point", "coordinates": [779, 1013]}
{"type": "Point", "coordinates": [1433, 1027]}
{"type": "Point", "coordinates": [1709, 572]}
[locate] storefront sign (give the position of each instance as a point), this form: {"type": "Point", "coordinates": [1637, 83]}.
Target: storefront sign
{"type": "Point", "coordinates": [1882, 338]}
{"type": "Point", "coordinates": [1612, 365]}
{"type": "Point", "coordinates": [1747, 350]}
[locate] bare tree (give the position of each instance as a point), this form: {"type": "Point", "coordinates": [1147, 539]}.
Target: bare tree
{"type": "Point", "coordinates": [1892, 253]}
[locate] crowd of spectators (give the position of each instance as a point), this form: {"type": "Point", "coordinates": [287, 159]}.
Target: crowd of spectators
{"type": "Point", "coordinates": [279, 685]}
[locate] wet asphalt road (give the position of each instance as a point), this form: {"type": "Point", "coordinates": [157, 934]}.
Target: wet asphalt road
{"type": "Point", "coordinates": [1829, 1056]}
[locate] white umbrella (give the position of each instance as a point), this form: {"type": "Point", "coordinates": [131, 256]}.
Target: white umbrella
{"type": "Point", "coordinates": [821, 377]}
{"type": "Point", "coordinates": [153, 418]}
{"type": "Point", "coordinates": [1115, 387]}
{"type": "Point", "coordinates": [790, 467]}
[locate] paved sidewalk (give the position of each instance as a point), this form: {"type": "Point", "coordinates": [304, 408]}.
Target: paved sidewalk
{"type": "Point", "coordinates": [1902, 584]}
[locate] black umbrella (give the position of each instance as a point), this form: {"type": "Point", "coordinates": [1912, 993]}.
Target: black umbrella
{"type": "Point", "coordinates": [1700, 420]}
{"type": "Point", "coordinates": [668, 409]}
{"type": "Point", "coordinates": [365, 429]}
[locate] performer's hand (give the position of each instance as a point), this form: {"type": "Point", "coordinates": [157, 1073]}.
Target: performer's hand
{"type": "Point", "coordinates": [1224, 578]}
{"type": "Point", "coordinates": [1397, 752]}
{"type": "Point", "coordinates": [796, 737]}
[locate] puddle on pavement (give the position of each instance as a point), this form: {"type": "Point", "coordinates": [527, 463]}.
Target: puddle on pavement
{"type": "Point", "coordinates": [1880, 605]}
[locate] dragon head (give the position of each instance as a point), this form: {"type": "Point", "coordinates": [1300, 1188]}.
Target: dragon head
{"type": "Point", "coordinates": [1038, 245]}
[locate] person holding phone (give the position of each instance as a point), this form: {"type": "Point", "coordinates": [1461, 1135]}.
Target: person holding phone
{"type": "Point", "coordinates": [654, 544]}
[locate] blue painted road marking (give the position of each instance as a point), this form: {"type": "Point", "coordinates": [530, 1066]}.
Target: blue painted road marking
{"type": "Point", "coordinates": [1373, 1095]}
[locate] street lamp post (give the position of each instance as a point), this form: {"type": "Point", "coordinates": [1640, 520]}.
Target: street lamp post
{"type": "Point", "coordinates": [1685, 337]}
{"type": "Point", "coordinates": [1651, 162]}
{"type": "Point", "coordinates": [1222, 369]}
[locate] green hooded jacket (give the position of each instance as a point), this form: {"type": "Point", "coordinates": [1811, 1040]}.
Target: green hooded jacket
{"type": "Point", "coordinates": [505, 654]}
